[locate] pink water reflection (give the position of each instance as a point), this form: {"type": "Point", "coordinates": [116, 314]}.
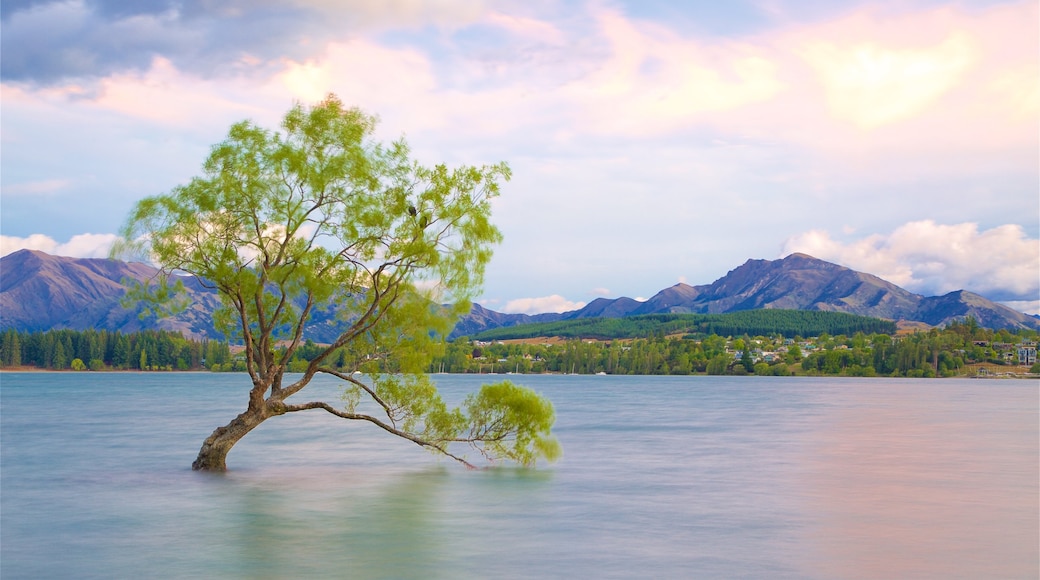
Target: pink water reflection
{"type": "Point", "coordinates": [919, 486]}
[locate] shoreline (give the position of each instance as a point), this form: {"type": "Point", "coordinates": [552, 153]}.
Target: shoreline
{"type": "Point", "coordinates": [26, 369]}
{"type": "Point", "coordinates": [1007, 375]}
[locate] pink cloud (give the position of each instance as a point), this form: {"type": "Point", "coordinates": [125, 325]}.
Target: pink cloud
{"type": "Point", "coordinates": [927, 257]}
{"type": "Point", "coordinates": [554, 303]}
{"type": "Point", "coordinates": [868, 84]}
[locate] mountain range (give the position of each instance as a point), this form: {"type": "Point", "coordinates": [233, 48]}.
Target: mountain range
{"type": "Point", "coordinates": [797, 282]}
{"type": "Point", "coordinates": [41, 292]}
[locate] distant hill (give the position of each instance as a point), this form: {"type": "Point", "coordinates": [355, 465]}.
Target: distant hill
{"type": "Point", "coordinates": [40, 292]}
{"type": "Point", "coordinates": [802, 282]}
{"type": "Point", "coordinates": [481, 319]}
{"type": "Point", "coordinates": [759, 322]}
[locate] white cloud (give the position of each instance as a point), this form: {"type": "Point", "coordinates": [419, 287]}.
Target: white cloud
{"type": "Point", "coordinates": [554, 303]}
{"type": "Point", "coordinates": [1001, 263]}
{"type": "Point", "coordinates": [79, 246]}
{"type": "Point", "coordinates": [661, 80]}
{"type": "Point", "coordinates": [601, 114]}
{"type": "Point", "coordinates": [1027, 306]}
{"type": "Point", "coordinates": [400, 13]}
{"type": "Point", "coordinates": [600, 292]}
{"type": "Point", "coordinates": [42, 187]}
{"type": "Point", "coordinates": [872, 86]}
{"type": "Point", "coordinates": [527, 27]}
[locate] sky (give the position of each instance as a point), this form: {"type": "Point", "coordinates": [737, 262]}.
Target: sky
{"type": "Point", "coordinates": [651, 142]}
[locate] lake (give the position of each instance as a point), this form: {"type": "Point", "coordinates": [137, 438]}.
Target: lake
{"type": "Point", "coordinates": [664, 477]}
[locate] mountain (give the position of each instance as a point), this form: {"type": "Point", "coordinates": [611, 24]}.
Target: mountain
{"type": "Point", "coordinates": [606, 308]}
{"type": "Point", "coordinates": [40, 292]}
{"type": "Point", "coordinates": [671, 300]}
{"type": "Point", "coordinates": [960, 304]}
{"type": "Point", "coordinates": [480, 319]}
{"type": "Point", "coordinates": [802, 282]}
{"type": "Point", "coordinates": [797, 282]}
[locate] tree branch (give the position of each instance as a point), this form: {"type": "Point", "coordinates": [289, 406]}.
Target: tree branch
{"type": "Point", "coordinates": [386, 406]}
{"type": "Point", "coordinates": [440, 447]}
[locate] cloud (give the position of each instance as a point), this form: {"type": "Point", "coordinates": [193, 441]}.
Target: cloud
{"type": "Point", "coordinates": [53, 42]}
{"type": "Point", "coordinates": [655, 78]}
{"type": "Point", "coordinates": [554, 303]}
{"type": "Point", "coordinates": [59, 40]}
{"type": "Point", "coordinates": [600, 292]}
{"type": "Point", "coordinates": [1001, 263]}
{"type": "Point", "coordinates": [871, 85]}
{"type": "Point", "coordinates": [37, 187]}
{"type": "Point", "coordinates": [79, 246]}
{"type": "Point", "coordinates": [601, 112]}
{"type": "Point", "coordinates": [393, 77]}
{"type": "Point", "coordinates": [1026, 306]}
{"type": "Point", "coordinates": [527, 27]}
{"type": "Point", "coordinates": [391, 13]}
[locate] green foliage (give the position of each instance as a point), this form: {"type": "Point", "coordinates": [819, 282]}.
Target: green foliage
{"type": "Point", "coordinates": [114, 350]}
{"type": "Point", "coordinates": [747, 360]}
{"type": "Point", "coordinates": [411, 402]}
{"type": "Point", "coordinates": [945, 352]}
{"type": "Point", "coordinates": [794, 354]}
{"type": "Point", "coordinates": [512, 422]}
{"type": "Point", "coordinates": [283, 223]}
{"type": "Point", "coordinates": [501, 421]}
{"type": "Point", "coordinates": [162, 297]}
{"type": "Point", "coordinates": [718, 365]}
{"type": "Point", "coordinates": [10, 349]}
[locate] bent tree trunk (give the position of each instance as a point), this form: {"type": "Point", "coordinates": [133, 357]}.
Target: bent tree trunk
{"type": "Point", "coordinates": [213, 455]}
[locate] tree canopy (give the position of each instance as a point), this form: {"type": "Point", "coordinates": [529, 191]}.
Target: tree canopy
{"type": "Point", "coordinates": [282, 223]}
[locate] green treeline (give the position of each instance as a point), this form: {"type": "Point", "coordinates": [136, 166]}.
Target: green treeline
{"type": "Point", "coordinates": [104, 350]}
{"type": "Point", "coordinates": [939, 352]}
{"type": "Point", "coordinates": [769, 322]}
{"type": "Point", "coordinates": [955, 350]}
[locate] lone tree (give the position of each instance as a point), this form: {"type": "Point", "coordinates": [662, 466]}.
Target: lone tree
{"type": "Point", "coordinates": [319, 215]}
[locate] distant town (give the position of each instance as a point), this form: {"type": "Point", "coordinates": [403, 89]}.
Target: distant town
{"type": "Point", "coordinates": [958, 350]}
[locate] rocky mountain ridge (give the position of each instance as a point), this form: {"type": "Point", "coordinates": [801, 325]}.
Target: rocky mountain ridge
{"type": "Point", "coordinates": [41, 292]}
{"type": "Point", "coordinates": [796, 282]}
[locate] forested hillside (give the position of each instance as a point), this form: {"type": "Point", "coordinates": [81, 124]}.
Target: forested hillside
{"type": "Point", "coordinates": [786, 323]}
{"type": "Point", "coordinates": [104, 350]}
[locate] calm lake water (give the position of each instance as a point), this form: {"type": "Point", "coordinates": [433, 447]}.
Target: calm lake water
{"type": "Point", "coordinates": [662, 477]}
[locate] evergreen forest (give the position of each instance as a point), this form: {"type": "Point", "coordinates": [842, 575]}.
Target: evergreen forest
{"type": "Point", "coordinates": [959, 349]}
{"type": "Point", "coordinates": [104, 350]}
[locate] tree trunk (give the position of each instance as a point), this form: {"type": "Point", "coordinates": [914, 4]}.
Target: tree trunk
{"type": "Point", "coordinates": [213, 455]}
